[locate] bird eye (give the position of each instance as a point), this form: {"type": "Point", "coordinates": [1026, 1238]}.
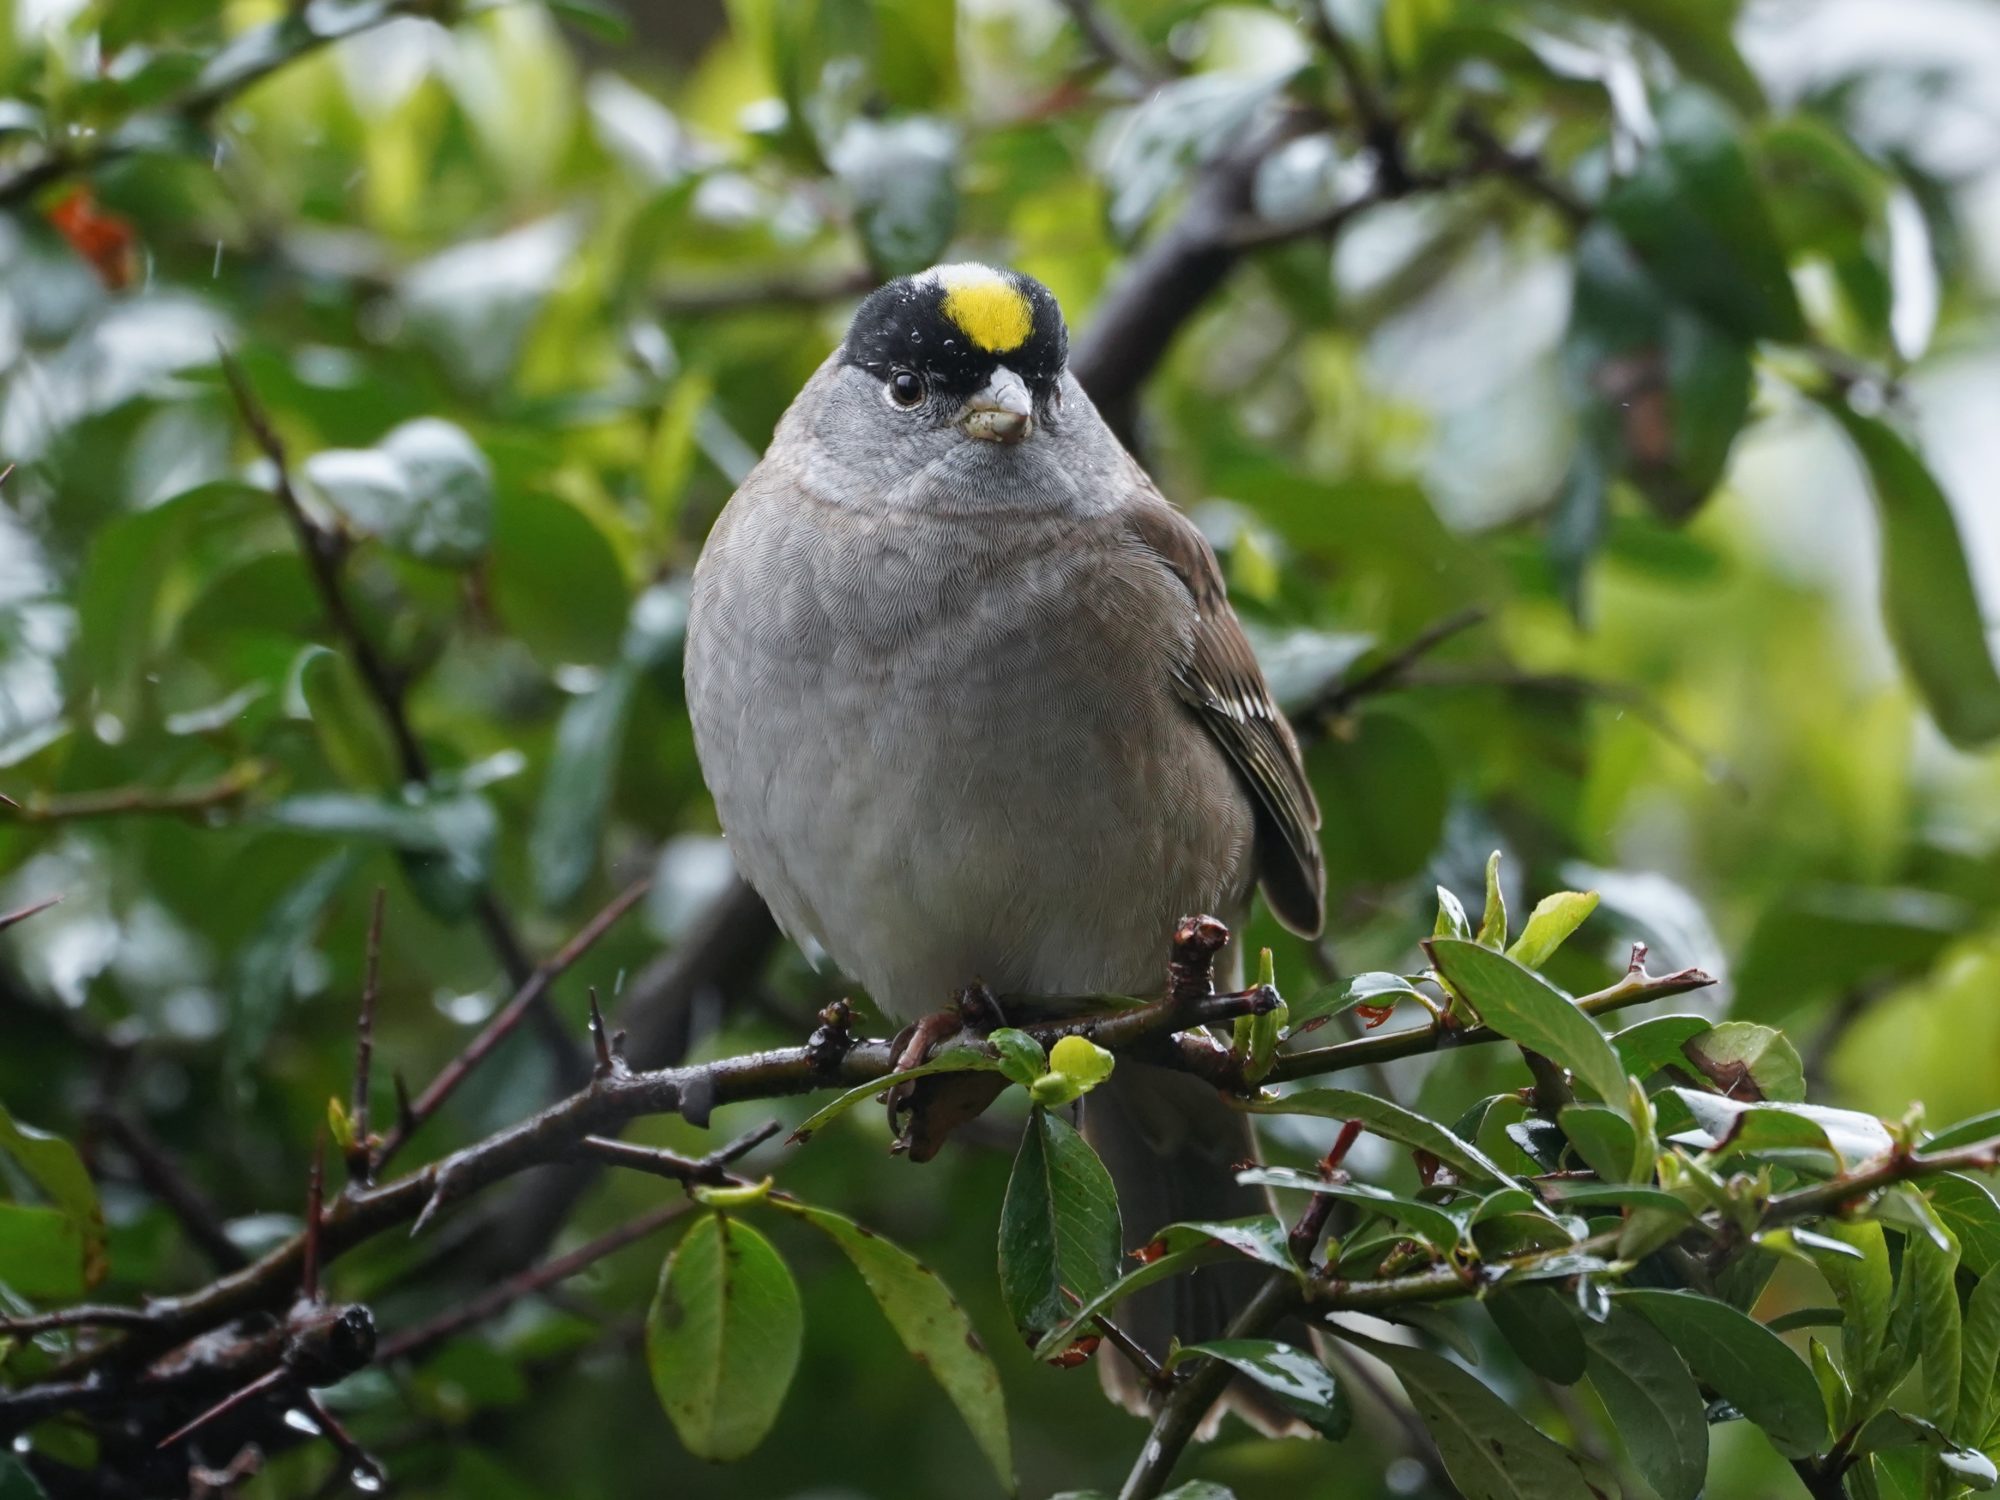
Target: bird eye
{"type": "Point", "coordinates": [905, 388]}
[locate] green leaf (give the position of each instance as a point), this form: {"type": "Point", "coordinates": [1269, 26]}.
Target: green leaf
{"type": "Point", "coordinates": [589, 737]}
{"type": "Point", "coordinates": [41, 1252]}
{"type": "Point", "coordinates": [1391, 1121]}
{"type": "Point", "coordinates": [1489, 1450]}
{"type": "Point", "coordinates": [1863, 1286]}
{"type": "Point", "coordinates": [1602, 1137]}
{"type": "Point", "coordinates": [425, 489]}
{"type": "Point", "coordinates": [324, 689]}
{"type": "Point", "coordinates": [55, 1168]}
{"type": "Point", "coordinates": [723, 1337]}
{"type": "Point", "coordinates": [554, 580]}
{"type": "Point", "coordinates": [447, 840]}
{"type": "Point", "coordinates": [1746, 1363]}
{"type": "Point", "coordinates": [16, 1483]}
{"type": "Point", "coordinates": [1805, 1135]}
{"type": "Point", "coordinates": [1980, 1362]}
{"type": "Point", "coordinates": [1021, 1056]}
{"type": "Point", "coordinates": [1967, 1132]}
{"type": "Point", "coordinates": [1178, 1248]}
{"type": "Point", "coordinates": [1333, 1000]}
{"type": "Point", "coordinates": [1591, 1195]}
{"type": "Point", "coordinates": [1298, 1381]}
{"type": "Point", "coordinates": [1525, 1008]}
{"type": "Point", "coordinates": [1929, 601]}
{"type": "Point", "coordinates": [932, 1326]}
{"type": "Point", "coordinates": [1059, 1227]}
{"type": "Point", "coordinates": [1695, 214]}
{"type": "Point", "coordinates": [1436, 1226]}
{"type": "Point", "coordinates": [1539, 1325]}
{"type": "Point", "coordinates": [1076, 1066]}
{"type": "Point", "coordinates": [1730, 1052]}
{"type": "Point", "coordinates": [264, 965]}
{"type": "Point", "coordinates": [1451, 918]}
{"type": "Point", "coordinates": [1549, 926]}
{"type": "Point", "coordinates": [1967, 1207]}
{"type": "Point", "coordinates": [1493, 922]}
{"type": "Point", "coordinates": [1939, 1324]}
{"type": "Point", "coordinates": [952, 1060]}
{"type": "Point", "coordinates": [1652, 1401]}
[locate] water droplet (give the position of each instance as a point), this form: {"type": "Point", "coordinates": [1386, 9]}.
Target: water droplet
{"type": "Point", "coordinates": [366, 1480]}
{"type": "Point", "coordinates": [618, 985]}
{"type": "Point", "coordinates": [23, 1444]}
{"type": "Point", "coordinates": [300, 1420]}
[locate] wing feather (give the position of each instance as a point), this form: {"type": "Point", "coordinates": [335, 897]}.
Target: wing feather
{"type": "Point", "coordinates": [1222, 682]}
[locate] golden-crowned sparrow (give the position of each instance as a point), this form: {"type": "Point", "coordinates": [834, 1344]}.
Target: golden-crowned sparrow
{"type": "Point", "coordinates": [973, 704]}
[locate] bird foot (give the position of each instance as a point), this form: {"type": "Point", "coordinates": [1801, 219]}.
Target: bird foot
{"type": "Point", "coordinates": [924, 1111]}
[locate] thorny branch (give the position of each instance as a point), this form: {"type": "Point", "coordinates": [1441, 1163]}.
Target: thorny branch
{"type": "Point", "coordinates": [1164, 1032]}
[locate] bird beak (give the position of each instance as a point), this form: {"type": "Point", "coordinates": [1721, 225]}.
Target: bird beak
{"type": "Point", "coordinates": [1003, 412]}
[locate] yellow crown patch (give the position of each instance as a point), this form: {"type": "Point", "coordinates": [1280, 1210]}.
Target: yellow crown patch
{"type": "Point", "coordinates": [991, 311]}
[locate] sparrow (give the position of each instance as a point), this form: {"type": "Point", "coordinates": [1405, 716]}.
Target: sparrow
{"type": "Point", "coordinates": [973, 705]}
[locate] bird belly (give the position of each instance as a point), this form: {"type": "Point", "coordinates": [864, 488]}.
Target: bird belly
{"type": "Point", "coordinates": [939, 780]}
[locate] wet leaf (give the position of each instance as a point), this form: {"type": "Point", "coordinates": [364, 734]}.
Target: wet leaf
{"type": "Point", "coordinates": [1298, 1381]}
{"type": "Point", "coordinates": [1060, 1236]}
{"type": "Point", "coordinates": [1525, 1008]}
{"type": "Point", "coordinates": [723, 1337]}
{"type": "Point", "coordinates": [1747, 1364]}
{"type": "Point", "coordinates": [932, 1326]}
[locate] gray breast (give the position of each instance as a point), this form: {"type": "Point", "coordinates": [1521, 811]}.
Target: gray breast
{"type": "Point", "coordinates": [946, 749]}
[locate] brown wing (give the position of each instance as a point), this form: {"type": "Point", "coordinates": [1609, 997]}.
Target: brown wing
{"type": "Point", "coordinates": [1224, 685]}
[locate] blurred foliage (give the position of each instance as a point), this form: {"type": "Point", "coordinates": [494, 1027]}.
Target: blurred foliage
{"type": "Point", "coordinates": [1632, 323]}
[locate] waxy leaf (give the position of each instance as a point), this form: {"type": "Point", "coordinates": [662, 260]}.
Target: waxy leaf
{"type": "Point", "coordinates": [1298, 1381]}
{"type": "Point", "coordinates": [1060, 1236]}
{"type": "Point", "coordinates": [1392, 1122]}
{"type": "Point", "coordinates": [932, 1326]}
{"type": "Point", "coordinates": [1549, 926]}
{"type": "Point", "coordinates": [1747, 1364]}
{"type": "Point", "coordinates": [1929, 601]}
{"type": "Point", "coordinates": [1525, 1008]}
{"type": "Point", "coordinates": [1438, 1226]}
{"type": "Point", "coordinates": [1653, 1403]}
{"type": "Point", "coordinates": [1648, 1046]}
{"type": "Point", "coordinates": [1488, 1448]}
{"type": "Point", "coordinates": [723, 1337]}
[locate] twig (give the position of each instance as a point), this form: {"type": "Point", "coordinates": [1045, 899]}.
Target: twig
{"type": "Point", "coordinates": [12, 918]}
{"type": "Point", "coordinates": [414, 1342]}
{"type": "Point", "coordinates": [1636, 988]}
{"type": "Point", "coordinates": [687, 1170]}
{"type": "Point", "coordinates": [1378, 125]}
{"type": "Point", "coordinates": [162, 1176]}
{"type": "Point", "coordinates": [505, 1020]}
{"type": "Point", "coordinates": [361, 1154]}
{"type": "Point", "coordinates": [1112, 42]}
{"type": "Point", "coordinates": [86, 1315]}
{"type": "Point", "coordinates": [1181, 1415]}
{"type": "Point", "coordinates": [83, 154]}
{"type": "Point", "coordinates": [1386, 673]}
{"type": "Point", "coordinates": [1632, 699]}
{"type": "Point", "coordinates": [186, 801]}
{"type": "Point", "coordinates": [713, 299]}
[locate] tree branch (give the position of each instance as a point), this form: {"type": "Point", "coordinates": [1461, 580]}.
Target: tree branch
{"type": "Point", "coordinates": [180, 801]}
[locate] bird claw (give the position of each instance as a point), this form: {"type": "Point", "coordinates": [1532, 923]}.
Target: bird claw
{"type": "Point", "coordinates": [924, 1111]}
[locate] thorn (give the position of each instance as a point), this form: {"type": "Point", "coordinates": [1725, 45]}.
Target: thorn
{"type": "Point", "coordinates": [1637, 963]}
{"type": "Point", "coordinates": [13, 917]}
{"type": "Point", "coordinates": [268, 1381]}
{"type": "Point", "coordinates": [6, 473]}
{"type": "Point", "coordinates": [5, 800]}
{"type": "Point", "coordinates": [406, 1115]}
{"type": "Point", "coordinates": [607, 1060]}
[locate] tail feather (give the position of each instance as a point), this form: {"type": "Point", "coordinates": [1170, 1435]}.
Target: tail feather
{"type": "Point", "coordinates": [1171, 1144]}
